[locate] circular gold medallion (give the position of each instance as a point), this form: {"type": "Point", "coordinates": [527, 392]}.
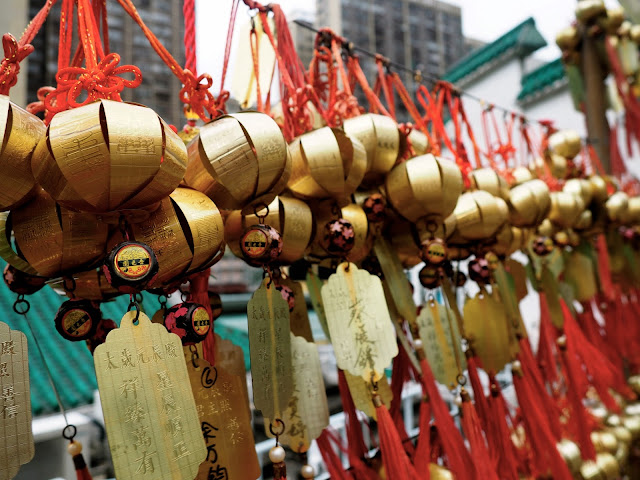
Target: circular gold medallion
{"type": "Point", "coordinates": [201, 322]}
{"type": "Point", "coordinates": [254, 243]}
{"type": "Point", "coordinates": [132, 262]}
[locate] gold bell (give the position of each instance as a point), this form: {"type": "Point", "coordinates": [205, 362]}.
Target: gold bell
{"type": "Point", "coordinates": [589, 10]}
{"type": "Point", "coordinates": [566, 143]}
{"type": "Point", "coordinates": [568, 38]}
{"type": "Point", "coordinates": [612, 21]}
{"type": "Point", "coordinates": [632, 215]}
{"type": "Point", "coordinates": [424, 186]}
{"type": "Point", "coordinates": [289, 216]}
{"type": "Point", "coordinates": [565, 209]}
{"type": "Point", "coordinates": [18, 144]}
{"type": "Point", "coordinates": [479, 215]}
{"type": "Point", "coordinates": [55, 240]}
{"type": "Point", "coordinates": [108, 156]}
{"type": "Point", "coordinates": [419, 142]}
{"type": "Point", "coordinates": [521, 175]}
{"type": "Point", "coordinates": [529, 203]}
{"type": "Point", "coordinates": [617, 206]}
{"type": "Point", "coordinates": [599, 188]}
{"type": "Point", "coordinates": [570, 452]}
{"type": "Point", "coordinates": [381, 140]}
{"type": "Point", "coordinates": [185, 232]}
{"type": "Point", "coordinates": [437, 472]}
{"type": "Point", "coordinates": [488, 180]}
{"type": "Point", "coordinates": [239, 161]}
{"type": "Point", "coordinates": [326, 163]}
{"type": "Point", "coordinates": [581, 187]}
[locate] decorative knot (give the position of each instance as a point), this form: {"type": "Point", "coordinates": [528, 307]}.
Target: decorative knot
{"type": "Point", "coordinates": [10, 65]}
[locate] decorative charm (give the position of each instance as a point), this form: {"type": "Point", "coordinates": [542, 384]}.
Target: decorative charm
{"type": "Point", "coordinates": [130, 266]}
{"type": "Point", "coordinates": [190, 321]}
{"type": "Point", "coordinates": [77, 320]}
{"type": "Point", "coordinates": [16, 441]}
{"type": "Point", "coordinates": [260, 245]}
{"type": "Point", "coordinates": [339, 237]}
{"type": "Point", "coordinates": [150, 414]}
{"type": "Point", "coordinates": [433, 251]}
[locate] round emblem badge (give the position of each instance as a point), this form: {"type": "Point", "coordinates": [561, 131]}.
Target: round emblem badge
{"type": "Point", "coordinates": [254, 243]}
{"type": "Point", "coordinates": [132, 261]}
{"type": "Point", "coordinates": [130, 267]}
{"type": "Point", "coordinates": [200, 321]}
{"type": "Point", "coordinates": [77, 320]}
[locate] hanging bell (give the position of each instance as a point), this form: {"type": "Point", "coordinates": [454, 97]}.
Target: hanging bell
{"type": "Point", "coordinates": [433, 251]}
{"type": "Point", "coordinates": [326, 163]}
{"type": "Point", "coordinates": [487, 179]}
{"type": "Point", "coordinates": [260, 245]}
{"type": "Point", "coordinates": [424, 186]}
{"type": "Point", "coordinates": [239, 161]}
{"type": "Point", "coordinates": [290, 216]}
{"type": "Point", "coordinates": [53, 240]}
{"type": "Point", "coordinates": [529, 203]}
{"type": "Point", "coordinates": [565, 209]}
{"type": "Point", "coordinates": [185, 232]}
{"type": "Point", "coordinates": [109, 156]}
{"type": "Point", "coordinates": [374, 207]}
{"type": "Point", "coordinates": [566, 143]}
{"type": "Point", "coordinates": [190, 321]}
{"type": "Point", "coordinates": [581, 187]}
{"type": "Point", "coordinates": [381, 140]}
{"type": "Point", "coordinates": [479, 215]}
{"type": "Point", "coordinates": [542, 245]}
{"type": "Point", "coordinates": [429, 276]}
{"type": "Point", "coordinates": [419, 142]}
{"type": "Point", "coordinates": [18, 143]}
{"type": "Point", "coordinates": [362, 235]}
{"type": "Point", "coordinates": [617, 206]}
{"type": "Point", "coordinates": [339, 237]}
{"type": "Point", "coordinates": [77, 320]}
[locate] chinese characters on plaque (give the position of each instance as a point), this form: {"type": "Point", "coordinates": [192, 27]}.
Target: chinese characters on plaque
{"type": "Point", "coordinates": [16, 438]}
{"type": "Point", "coordinates": [150, 414]}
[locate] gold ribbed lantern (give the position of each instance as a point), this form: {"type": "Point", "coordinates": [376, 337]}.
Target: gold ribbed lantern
{"type": "Point", "coordinates": [289, 216]}
{"type": "Point", "coordinates": [381, 140]}
{"type": "Point", "coordinates": [599, 188]}
{"type": "Point", "coordinates": [419, 142]}
{"type": "Point", "coordinates": [108, 156]}
{"type": "Point", "coordinates": [54, 240]}
{"type": "Point", "coordinates": [479, 216]}
{"type": "Point", "coordinates": [581, 187]}
{"type": "Point", "coordinates": [424, 186]}
{"type": "Point", "coordinates": [632, 214]}
{"type": "Point", "coordinates": [239, 161]}
{"type": "Point", "coordinates": [570, 453]}
{"type": "Point", "coordinates": [20, 132]}
{"type": "Point", "coordinates": [529, 203]}
{"type": "Point", "coordinates": [566, 143]}
{"type": "Point", "coordinates": [565, 209]}
{"type": "Point", "coordinates": [186, 234]}
{"type": "Point", "coordinates": [617, 206]}
{"type": "Point", "coordinates": [326, 163]}
{"type": "Point", "coordinates": [488, 180]}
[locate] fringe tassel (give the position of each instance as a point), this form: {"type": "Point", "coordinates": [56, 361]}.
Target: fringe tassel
{"type": "Point", "coordinates": [82, 471]}
{"type": "Point", "coordinates": [400, 374]}
{"type": "Point", "coordinates": [395, 459]}
{"type": "Point", "coordinates": [482, 407]}
{"type": "Point", "coordinates": [501, 448]}
{"type": "Point", "coordinates": [460, 462]}
{"type": "Point", "coordinates": [422, 455]}
{"type": "Point", "coordinates": [330, 458]}
{"type": "Point", "coordinates": [547, 343]}
{"type": "Point", "coordinates": [473, 432]}
{"type": "Point", "coordinates": [604, 268]}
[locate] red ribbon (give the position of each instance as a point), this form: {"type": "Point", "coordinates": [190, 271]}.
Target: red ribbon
{"type": "Point", "coordinates": [10, 66]}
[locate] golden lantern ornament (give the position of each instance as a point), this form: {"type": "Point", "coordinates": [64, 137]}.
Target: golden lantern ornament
{"type": "Point", "coordinates": [479, 216]}
{"type": "Point", "coordinates": [240, 161]}
{"type": "Point", "coordinates": [20, 132]}
{"type": "Point", "coordinates": [529, 202]}
{"type": "Point", "coordinates": [108, 157]}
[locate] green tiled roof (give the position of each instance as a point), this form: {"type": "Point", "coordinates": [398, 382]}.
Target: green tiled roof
{"type": "Point", "coordinates": [543, 76]}
{"type": "Point", "coordinates": [525, 38]}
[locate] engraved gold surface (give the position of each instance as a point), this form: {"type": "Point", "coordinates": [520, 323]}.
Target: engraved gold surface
{"type": "Point", "coordinates": [225, 422]}
{"type": "Point", "coordinates": [307, 413]}
{"type": "Point", "coordinates": [381, 140]}
{"type": "Point", "coordinates": [359, 322]}
{"type": "Point", "coordinates": [314, 286]}
{"type": "Point", "coordinates": [270, 347]}
{"type": "Point", "coordinates": [565, 208]}
{"type": "Point", "coordinates": [16, 440]}
{"type": "Point", "coordinates": [18, 144]}
{"type": "Point", "coordinates": [485, 324]}
{"type": "Point", "coordinates": [299, 316]}
{"type": "Point", "coordinates": [231, 357]}
{"type": "Point", "coordinates": [55, 240]}
{"type": "Point", "coordinates": [479, 215]}
{"type": "Point", "coordinates": [6, 250]}
{"type": "Point", "coordinates": [149, 410]}
{"type": "Point", "coordinates": [442, 342]}
{"type": "Point", "coordinates": [487, 179]}
{"type": "Point", "coordinates": [108, 156]}
{"type": "Point", "coordinates": [239, 160]}
{"type": "Point", "coordinates": [424, 185]}
{"type": "Point", "coordinates": [529, 203]}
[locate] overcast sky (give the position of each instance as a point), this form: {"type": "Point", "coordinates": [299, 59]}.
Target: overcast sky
{"type": "Point", "coordinates": [481, 19]}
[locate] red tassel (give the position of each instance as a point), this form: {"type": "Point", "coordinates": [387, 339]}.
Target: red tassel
{"type": "Point", "coordinates": [501, 448]}
{"type": "Point", "coordinates": [422, 455]}
{"type": "Point", "coordinates": [604, 268]}
{"type": "Point", "coordinates": [395, 459]}
{"type": "Point", "coordinates": [473, 432]}
{"type": "Point", "coordinates": [578, 420]}
{"type": "Point", "coordinates": [546, 343]}
{"type": "Point", "coordinates": [602, 372]}
{"type": "Point", "coordinates": [597, 337]}
{"type": "Point", "coordinates": [330, 458]}
{"type": "Point", "coordinates": [538, 389]}
{"type": "Point", "coordinates": [460, 462]}
{"type": "Point", "coordinates": [400, 374]}
{"type": "Point", "coordinates": [482, 407]}
{"type": "Point", "coordinates": [537, 427]}
{"type": "Point", "coordinates": [82, 471]}
{"type": "Point", "coordinates": [356, 446]}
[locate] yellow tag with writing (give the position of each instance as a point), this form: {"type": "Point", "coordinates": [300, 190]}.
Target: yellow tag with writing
{"type": "Point", "coordinates": [485, 323]}
{"type": "Point", "coordinates": [225, 422]}
{"type": "Point", "coordinates": [231, 357]}
{"type": "Point", "coordinates": [359, 322]}
{"type": "Point", "coordinates": [314, 286]}
{"type": "Point", "coordinates": [308, 412]}
{"type": "Point", "coordinates": [442, 342]}
{"type": "Point", "coordinates": [579, 274]}
{"type": "Point", "coordinates": [552, 293]}
{"type": "Point", "coordinates": [149, 411]}
{"type": "Point", "coordinates": [362, 393]}
{"type": "Point", "coordinates": [519, 274]}
{"type": "Point", "coordinates": [299, 316]}
{"type": "Point", "coordinates": [396, 279]}
{"type": "Point", "coordinates": [270, 348]}
{"type": "Point", "coordinates": [16, 439]}
{"type": "Point", "coordinates": [507, 296]}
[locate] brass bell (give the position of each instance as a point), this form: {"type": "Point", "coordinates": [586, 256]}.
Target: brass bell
{"type": "Point", "coordinates": [54, 240]}
{"type": "Point", "coordinates": [521, 175]}
{"type": "Point", "coordinates": [589, 10]}
{"type": "Point", "coordinates": [381, 140]}
{"type": "Point", "coordinates": [568, 38]}
{"type": "Point", "coordinates": [565, 209]}
{"type": "Point", "coordinates": [239, 161]}
{"type": "Point", "coordinates": [632, 215]}
{"type": "Point", "coordinates": [437, 472]}
{"type": "Point", "coordinates": [570, 452]}
{"type": "Point", "coordinates": [289, 216]}
{"type": "Point", "coordinates": [479, 215]}
{"type": "Point", "coordinates": [529, 203]}
{"type": "Point", "coordinates": [608, 465]}
{"type": "Point", "coordinates": [617, 206]}
{"type": "Point", "coordinates": [18, 144]}
{"type": "Point", "coordinates": [604, 442]}
{"type": "Point", "coordinates": [566, 143]}
{"type": "Point", "coordinates": [487, 179]}
{"type": "Point", "coordinates": [130, 267]}
{"type": "Point", "coordinates": [108, 156]}
{"type": "Point", "coordinates": [326, 163]}
{"type": "Point", "coordinates": [613, 19]}
{"type": "Point", "coordinates": [424, 186]}
{"type": "Point", "coordinates": [363, 241]}
{"type": "Point", "coordinates": [584, 221]}
{"type": "Point", "coordinates": [581, 187]}
{"type": "Point", "coordinates": [77, 320]}
{"type": "Point", "coordinates": [599, 188]}
{"type": "Point", "coordinates": [190, 321]}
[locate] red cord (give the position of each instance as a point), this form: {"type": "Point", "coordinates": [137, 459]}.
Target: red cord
{"type": "Point", "coordinates": [189, 12]}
